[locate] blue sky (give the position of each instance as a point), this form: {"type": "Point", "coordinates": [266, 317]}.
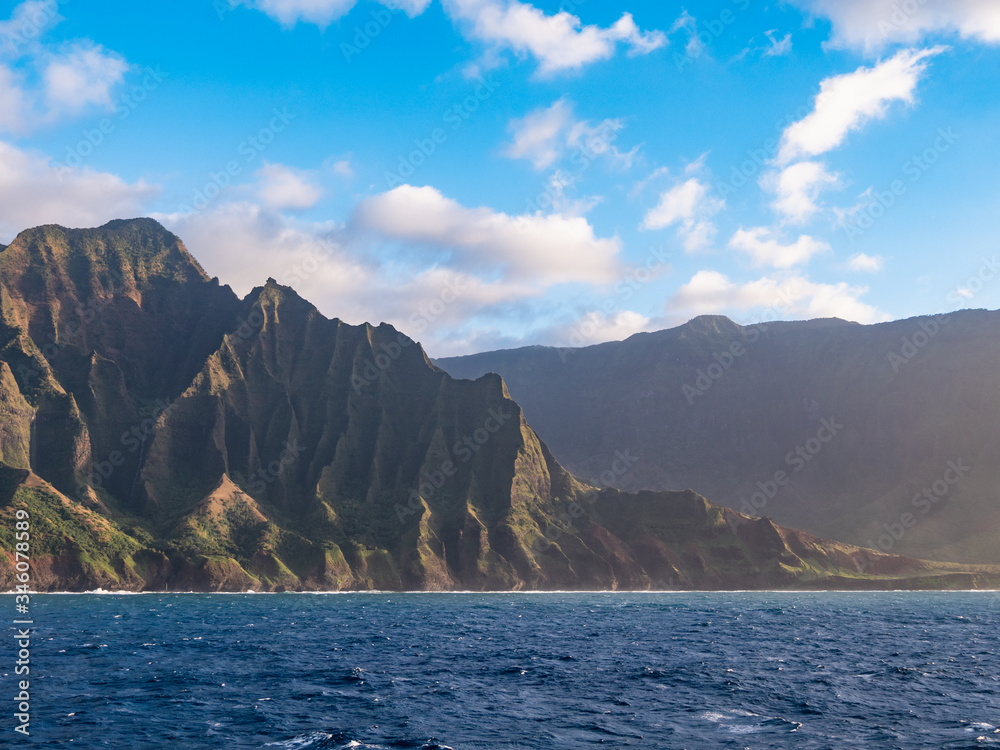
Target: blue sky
{"type": "Point", "coordinates": [492, 173]}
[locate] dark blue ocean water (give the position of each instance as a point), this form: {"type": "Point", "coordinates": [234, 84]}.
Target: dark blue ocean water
{"type": "Point", "coordinates": [689, 670]}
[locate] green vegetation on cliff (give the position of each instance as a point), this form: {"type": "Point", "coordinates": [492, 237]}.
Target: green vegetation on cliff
{"type": "Point", "coordinates": [164, 434]}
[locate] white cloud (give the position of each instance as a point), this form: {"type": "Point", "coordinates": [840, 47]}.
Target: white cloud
{"type": "Point", "coordinates": [27, 23]}
{"type": "Point", "coordinates": [559, 42]}
{"type": "Point", "coordinates": [558, 182]}
{"type": "Point", "coordinates": [283, 187]}
{"type": "Point", "coordinates": [760, 244]}
{"type": "Point", "coordinates": [679, 204]}
{"type": "Point", "coordinates": [865, 263]}
{"type": "Point", "coordinates": [547, 134]}
{"type": "Point", "coordinates": [595, 328]}
{"type": "Point", "coordinates": [542, 250]}
{"type": "Point", "coordinates": [642, 184]}
{"type": "Point", "coordinates": [323, 12]}
{"type": "Point", "coordinates": [14, 107]}
{"type": "Point", "coordinates": [412, 8]}
{"type": "Point", "coordinates": [290, 12]}
{"type": "Point", "coordinates": [80, 77]}
{"type": "Point", "coordinates": [446, 308]}
{"type": "Point", "coordinates": [695, 46]}
{"type": "Point", "coordinates": [688, 205]}
{"type": "Point", "coordinates": [846, 102]}
{"type": "Point", "coordinates": [540, 135]}
{"type": "Point", "coordinates": [710, 292]}
{"type": "Point", "coordinates": [591, 141]}
{"type": "Point", "coordinates": [778, 48]}
{"type": "Point", "coordinates": [872, 24]}
{"type": "Point", "coordinates": [40, 84]}
{"type": "Point", "coordinates": [697, 235]}
{"type": "Point", "coordinates": [797, 189]}
{"type": "Point", "coordinates": [343, 168]}
{"type": "Point", "coordinates": [33, 191]}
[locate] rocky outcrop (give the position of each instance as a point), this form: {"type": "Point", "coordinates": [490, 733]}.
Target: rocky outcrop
{"type": "Point", "coordinates": [174, 437]}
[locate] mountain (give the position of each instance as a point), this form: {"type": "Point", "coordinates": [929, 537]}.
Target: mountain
{"type": "Point", "coordinates": [885, 436]}
{"type": "Point", "coordinates": [164, 434]}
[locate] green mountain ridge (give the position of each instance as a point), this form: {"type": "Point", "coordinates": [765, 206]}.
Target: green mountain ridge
{"type": "Point", "coordinates": [164, 434]}
{"type": "Point", "coordinates": [912, 466]}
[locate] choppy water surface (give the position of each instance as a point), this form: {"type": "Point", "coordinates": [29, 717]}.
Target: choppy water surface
{"type": "Point", "coordinates": [690, 670]}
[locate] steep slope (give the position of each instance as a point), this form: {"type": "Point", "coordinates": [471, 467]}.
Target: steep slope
{"type": "Point", "coordinates": [885, 436]}
{"type": "Point", "coordinates": [172, 436]}
{"type": "Point", "coordinates": [101, 329]}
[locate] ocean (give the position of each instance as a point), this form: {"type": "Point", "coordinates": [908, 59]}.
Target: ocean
{"type": "Point", "coordinates": [474, 671]}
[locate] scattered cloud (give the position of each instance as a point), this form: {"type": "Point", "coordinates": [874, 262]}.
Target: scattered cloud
{"type": "Point", "coordinates": [41, 83]}
{"type": "Point", "coordinates": [760, 244]}
{"type": "Point", "coordinates": [797, 188]}
{"type": "Point", "coordinates": [34, 191]}
{"type": "Point", "coordinates": [767, 298]}
{"type": "Point", "coordinates": [540, 136]}
{"type": "Point", "coordinates": [537, 249]}
{"type": "Point", "coordinates": [688, 205]}
{"type": "Point", "coordinates": [14, 107]}
{"type": "Point", "coordinates": [559, 42]}
{"type": "Point", "coordinates": [80, 77]}
{"type": "Point", "coordinates": [342, 167]}
{"type": "Point", "coordinates": [778, 47]}
{"type": "Point", "coordinates": [559, 181]}
{"type": "Point", "coordinates": [28, 21]}
{"type": "Point", "coordinates": [412, 8]}
{"type": "Point", "coordinates": [290, 12]}
{"type": "Point", "coordinates": [682, 203]}
{"type": "Point", "coordinates": [281, 187]}
{"type": "Point", "coordinates": [322, 12]}
{"type": "Point", "coordinates": [685, 21]}
{"type": "Point", "coordinates": [546, 135]}
{"type": "Point", "coordinates": [641, 185]}
{"type": "Point", "coordinates": [847, 102]}
{"type": "Point", "coordinates": [865, 263]}
{"type": "Point", "coordinates": [873, 24]}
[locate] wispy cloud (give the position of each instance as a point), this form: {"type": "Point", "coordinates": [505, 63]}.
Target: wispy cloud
{"type": "Point", "coordinates": [845, 103]}
{"type": "Point", "coordinates": [43, 82]}
{"type": "Point", "coordinates": [688, 205]}
{"type": "Point", "coordinates": [322, 12]}
{"type": "Point", "coordinates": [765, 249]}
{"type": "Point", "coordinates": [874, 24]}
{"type": "Point", "coordinates": [559, 42]}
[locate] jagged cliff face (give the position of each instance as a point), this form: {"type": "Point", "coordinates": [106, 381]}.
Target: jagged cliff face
{"type": "Point", "coordinates": [165, 434]}
{"type": "Point", "coordinates": [98, 328]}
{"type": "Point", "coordinates": [879, 435]}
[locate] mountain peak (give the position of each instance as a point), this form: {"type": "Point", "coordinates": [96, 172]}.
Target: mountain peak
{"type": "Point", "coordinates": [712, 323]}
{"type": "Point", "coordinates": [122, 254]}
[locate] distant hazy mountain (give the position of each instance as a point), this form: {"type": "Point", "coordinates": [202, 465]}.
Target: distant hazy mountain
{"type": "Point", "coordinates": [162, 433]}
{"type": "Point", "coordinates": [886, 436]}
